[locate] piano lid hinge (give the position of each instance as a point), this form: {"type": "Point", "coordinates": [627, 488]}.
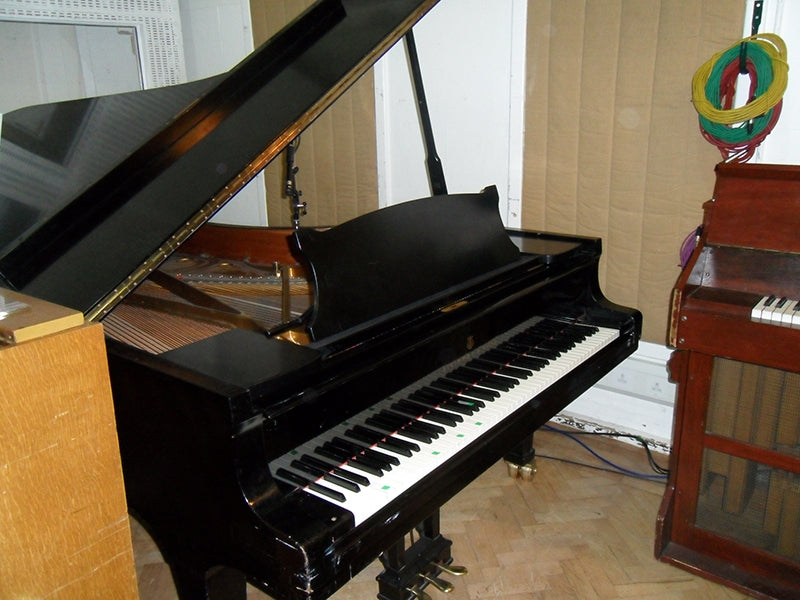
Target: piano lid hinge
{"type": "Point", "coordinates": [454, 306]}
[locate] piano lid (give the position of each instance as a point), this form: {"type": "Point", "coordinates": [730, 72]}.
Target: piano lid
{"type": "Point", "coordinates": [95, 193]}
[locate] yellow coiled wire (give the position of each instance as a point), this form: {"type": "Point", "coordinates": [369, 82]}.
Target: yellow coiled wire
{"type": "Point", "coordinates": [775, 48]}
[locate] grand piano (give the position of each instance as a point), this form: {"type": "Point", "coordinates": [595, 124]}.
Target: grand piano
{"type": "Point", "coordinates": [293, 404]}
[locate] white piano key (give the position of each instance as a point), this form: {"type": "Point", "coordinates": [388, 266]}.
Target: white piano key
{"type": "Point", "coordinates": [787, 312]}
{"type": "Point", "coordinates": [771, 313]}
{"type": "Point", "coordinates": [776, 310]}
{"type": "Point", "coordinates": [757, 311]}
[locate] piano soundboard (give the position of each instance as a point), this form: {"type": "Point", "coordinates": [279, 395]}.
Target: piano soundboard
{"type": "Point", "coordinates": [777, 310]}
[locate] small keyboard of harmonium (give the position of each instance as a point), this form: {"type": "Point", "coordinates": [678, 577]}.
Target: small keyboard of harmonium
{"type": "Point", "coordinates": [777, 310]}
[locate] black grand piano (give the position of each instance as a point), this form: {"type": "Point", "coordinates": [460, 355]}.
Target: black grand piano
{"type": "Point", "coordinates": [292, 403]}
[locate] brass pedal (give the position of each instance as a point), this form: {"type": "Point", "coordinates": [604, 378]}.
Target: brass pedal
{"type": "Point", "coordinates": [454, 570]}
{"type": "Point", "coordinates": [439, 584]}
{"type": "Point", "coordinates": [419, 594]}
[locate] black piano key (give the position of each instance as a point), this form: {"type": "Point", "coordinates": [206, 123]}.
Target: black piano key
{"type": "Point", "coordinates": [460, 388]}
{"type": "Point", "coordinates": [362, 452]}
{"type": "Point", "coordinates": [377, 455]}
{"type": "Point", "coordinates": [443, 397]}
{"type": "Point", "coordinates": [335, 453]}
{"type": "Point", "coordinates": [332, 453]}
{"type": "Point", "coordinates": [329, 477]}
{"type": "Point", "coordinates": [500, 382]}
{"type": "Point", "coordinates": [382, 423]}
{"type": "Point", "coordinates": [343, 473]}
{"type": "Point", "coordinates": [474, 376]}
{"type": "Point", "coordinates": [391, 442]}
{"type": "Point", "coordinates": [516, 360]}
{"type": "Point", "coordinates": [451, 419]}
{"type": "Point", "coordinates": [500, 369]}
{"type": "Point", "coordinates": [450, 402]}
{"type": "Point", "coordinates": [481, 394]}
{"type": "Point", "coordinates": [365, 434]}
{"type": "Point", "coordinates": [430, 428]}
{"type": "Point", "coordinates": [301, 481]}
{"type": "Point", "coordinates": [356, 455]}
{"type": "Point", "coordinates": [449, 386]}
{"type": "Point", "coordinates": [372, 438]}
{"type": "Point", "coordinates": [389, 459]}
{"type": "Point", "coordinates": [431, 414]}
{"type": "Point", "coordinates": [542, 353]}
{"type": "Point", "coordinates": [531, 362]}
{"type": "Point", "coordinates": [556, 345]}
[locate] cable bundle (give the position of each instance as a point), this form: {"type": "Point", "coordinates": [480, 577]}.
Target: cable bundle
{"type": "Point", "coordinates": [737, 132]}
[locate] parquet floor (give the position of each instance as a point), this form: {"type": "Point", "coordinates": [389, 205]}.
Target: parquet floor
{"type": "Point", "coordinates": [572, 533]}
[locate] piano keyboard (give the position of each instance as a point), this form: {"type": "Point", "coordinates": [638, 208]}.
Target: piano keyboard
{"type": "Point", "coordinates": [777, 310]}
{"type": "Point", "coordinates": [366, 462]}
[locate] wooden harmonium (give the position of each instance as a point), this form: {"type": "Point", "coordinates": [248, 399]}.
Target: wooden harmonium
{"type": "Point", "coordinates": [745, 272]}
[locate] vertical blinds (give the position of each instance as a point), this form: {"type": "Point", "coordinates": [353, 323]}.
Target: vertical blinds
{"type": "Point", "coordinates": [612, 146]}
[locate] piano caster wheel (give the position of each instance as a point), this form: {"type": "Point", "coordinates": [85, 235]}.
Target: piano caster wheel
{"type": "Point", "coordinates": [524, 472]}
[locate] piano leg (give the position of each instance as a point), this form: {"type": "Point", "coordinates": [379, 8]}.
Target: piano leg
{"type": "Point", "coordinates": [218, 583]}
{"type": "Point", "coordinates": [408, 570]}
{"type": "Point", "coordinates": [521, 461]}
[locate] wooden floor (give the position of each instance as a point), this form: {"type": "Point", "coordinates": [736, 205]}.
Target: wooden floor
{"type": "Point", "coordinates": [573, 532]}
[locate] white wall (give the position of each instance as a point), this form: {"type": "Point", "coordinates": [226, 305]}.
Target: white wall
{"type": "Point", "coordinates": [782, 17]}
{"type": "Point", "coordinates": [471, 54]}
{"type": "Point", "coordinates": [218, 34]}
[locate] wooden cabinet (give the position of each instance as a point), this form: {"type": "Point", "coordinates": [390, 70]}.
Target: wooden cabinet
{"type": "Point", "coordinates": [731, 511]}
{"type": "Point", "coordinates": [64, 530]}
{"type": "Point", "coordinates": [732, 507]}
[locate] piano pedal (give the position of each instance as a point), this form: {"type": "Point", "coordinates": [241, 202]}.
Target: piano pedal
{"type": "Point", "coordinates": [454, 570]}
{"type": "Point", "coordinates": [440, 584]}
{"type": "Point", "coordinates": [419, 594]}
{"type": "Point", "coordinates": [410, 569]}
{"type": "Point", "coordinates": [524, 472]}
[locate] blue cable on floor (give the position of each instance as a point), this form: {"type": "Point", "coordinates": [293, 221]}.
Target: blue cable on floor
{"type": "Point", "coordinates": [660, 476]}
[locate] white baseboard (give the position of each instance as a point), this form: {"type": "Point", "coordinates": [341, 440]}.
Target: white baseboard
{"type": "Point", "coordinates": [636, 398]}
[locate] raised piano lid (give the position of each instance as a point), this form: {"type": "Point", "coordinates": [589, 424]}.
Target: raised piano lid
{"type": "Point", "coordinates": [95, 193]}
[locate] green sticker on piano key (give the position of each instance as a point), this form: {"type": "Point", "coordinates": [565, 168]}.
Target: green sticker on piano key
{"type": "Point", "coordinates": [460, 435]}
{"type": "Point", "coordinates": [478, 422]}
{"type": "Point", "coordinates": [386, 487]}
{"type": "Point", "coordinates": [435, 452]}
